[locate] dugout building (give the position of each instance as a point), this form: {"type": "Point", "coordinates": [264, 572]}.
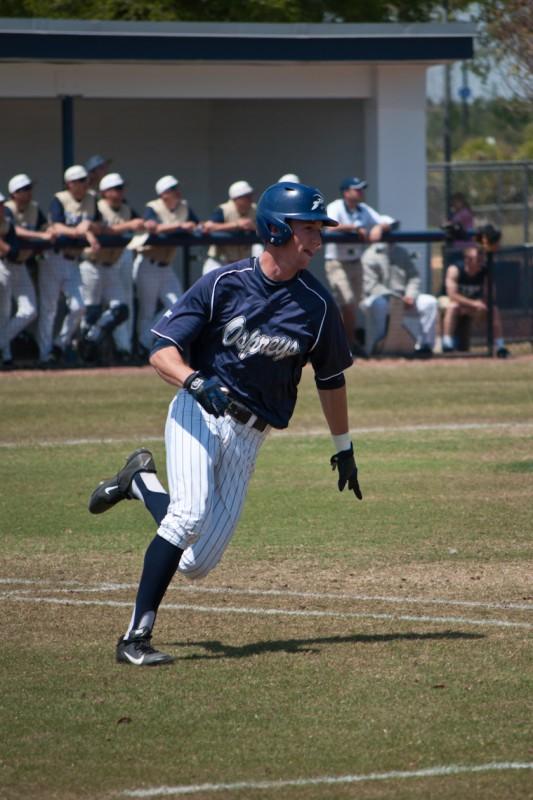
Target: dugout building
{"type": "Point", "coordinates": [213, 103]}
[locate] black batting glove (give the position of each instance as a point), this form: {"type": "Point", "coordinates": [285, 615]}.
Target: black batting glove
{"type": "Point", "coordinates": [345, 463]}
{"type": "Point", "coordinates": [208, 392]}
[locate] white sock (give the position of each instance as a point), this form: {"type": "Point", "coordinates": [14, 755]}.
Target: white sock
{"type": "Point", "coordinates": [150, 480]}
{"type": "Point", "coordinates": [447, 341]}
{"type": "Point", "coordinates": [499, 343]}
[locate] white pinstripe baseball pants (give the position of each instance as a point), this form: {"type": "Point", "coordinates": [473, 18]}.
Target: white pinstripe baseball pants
{"type": "Point", "coordinates": [209, 464]}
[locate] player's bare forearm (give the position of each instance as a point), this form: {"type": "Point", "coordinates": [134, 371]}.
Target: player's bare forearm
{"type": "Point", "coordinates": [67, 230]}
{"type": "Point", "coordinates": [334, 404]}
{"type": "Point", "coordinates": [170, 366]}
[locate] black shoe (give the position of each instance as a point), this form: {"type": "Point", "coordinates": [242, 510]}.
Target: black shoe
{"type": "Point", "coordinates": [113, 490]}
{"type": "Point", "coordinates": [424, 351]}
{"type": "Point", "coordinates": [123, 358]}
{"type": "Point", "coordinates": [88, 350]}
{"type": "Point", "coordinates": [142, 355]}
{"type": "Point", "coordinates": [446, 348]}
{"type": "Point", "coordinates": [8, 364]}
{"type": "Point", "coordinates": [358, 351]}
{"type": "Point", "coordinates": [502, 352]}
{"type": "Point", "coordinates": [53, 360]}
{"type": "Point", "coordinates": [138, 651]}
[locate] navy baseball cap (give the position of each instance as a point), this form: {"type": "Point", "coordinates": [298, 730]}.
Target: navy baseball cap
{"type": "Point", "coordinates": [96, 161]}
{"type": "Point", "coordinates": [353, 183]}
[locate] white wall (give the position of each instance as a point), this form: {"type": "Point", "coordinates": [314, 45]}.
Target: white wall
{"type": "Point", "coordinates": [207, 144]}
{"type": "Point", "coordinates": [212, 124]}
{"type": "Point", "coordinates": [187, 80]}
{"type": "Point", "coordinates": [395, 125]}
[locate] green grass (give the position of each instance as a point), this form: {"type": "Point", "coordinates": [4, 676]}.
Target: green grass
{"type": "Point", "coordinates": [447, 514]}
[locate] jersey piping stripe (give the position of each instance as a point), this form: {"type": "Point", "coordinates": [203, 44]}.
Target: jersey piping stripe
{"type": "Point", "coordinates": [230, 272]}
{"type": "Point", "coordinates": [323, 317]}
{"type": "Point", "coordinates": [162, 336]}
{"type": "Point", "coordinates": [329, 377]}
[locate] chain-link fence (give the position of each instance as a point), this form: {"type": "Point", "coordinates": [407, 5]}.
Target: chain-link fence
{"type": "Point", "coordinates": [497, 192]}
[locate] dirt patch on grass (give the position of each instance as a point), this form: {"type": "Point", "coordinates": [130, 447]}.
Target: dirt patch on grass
{"type": "Point", "coordinates": [507, 582]}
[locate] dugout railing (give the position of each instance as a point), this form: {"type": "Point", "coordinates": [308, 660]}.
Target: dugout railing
{"type": "Point", "coordinates": [510, 269]}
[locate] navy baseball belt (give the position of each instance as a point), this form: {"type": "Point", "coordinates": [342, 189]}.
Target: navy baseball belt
{"type": "Point", "coordinates": [246, 417]}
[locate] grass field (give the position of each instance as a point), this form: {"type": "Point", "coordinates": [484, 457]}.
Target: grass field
{"type": "Point", "coordinates": [341, 650]}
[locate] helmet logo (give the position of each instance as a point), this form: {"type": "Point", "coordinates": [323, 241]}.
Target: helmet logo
{"type": "Point", "coordinates": [318, 202]}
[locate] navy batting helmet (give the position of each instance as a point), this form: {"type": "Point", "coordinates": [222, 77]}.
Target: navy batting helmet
{"type": "Point", "coordinates": [285, 201]}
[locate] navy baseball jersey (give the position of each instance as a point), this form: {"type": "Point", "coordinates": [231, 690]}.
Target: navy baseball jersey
{"type": "Point", "coordinates": [255, 335]}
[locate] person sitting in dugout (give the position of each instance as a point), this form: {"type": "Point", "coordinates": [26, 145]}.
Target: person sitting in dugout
{"type": "Point", "coordinates": [467, 296]}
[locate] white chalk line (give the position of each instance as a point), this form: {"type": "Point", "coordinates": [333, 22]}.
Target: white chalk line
{"type": "Point", "coordinates": [467, 426]}
{"type": "Point", "coordinates": [431, 772]}
{"type": "Point", "coordinates": [77, 586]}
{"type": "Point", "coordinates": [283, 612]}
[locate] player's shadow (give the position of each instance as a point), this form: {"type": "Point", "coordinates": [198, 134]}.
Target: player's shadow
{"type": "Point", "coordinates": [216, 649]}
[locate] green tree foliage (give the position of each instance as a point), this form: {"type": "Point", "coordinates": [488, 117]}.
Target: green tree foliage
{"type": "Point", "coordinates": [508, 122]}
{"type": "Point", "coordinates": [228, 10]}
{"type": "Point", "coordinates": [506, 39]}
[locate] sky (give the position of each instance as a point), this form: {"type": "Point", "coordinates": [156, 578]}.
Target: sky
{"type": "Point", "coordinates": [435, 84]}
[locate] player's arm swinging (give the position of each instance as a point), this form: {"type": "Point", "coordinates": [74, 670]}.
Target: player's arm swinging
{"type": "Point", "coordinates": [334, 404]}
{"type": "Point", "coordinates": [172, 368]}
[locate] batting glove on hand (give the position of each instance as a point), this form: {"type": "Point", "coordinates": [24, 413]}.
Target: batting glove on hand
{"type": "Point", "coordinates": [345, 463]}
{"type": "Point", "coordinates": [208, 392]}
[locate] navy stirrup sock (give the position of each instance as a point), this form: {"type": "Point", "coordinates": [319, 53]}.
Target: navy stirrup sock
{"type": "Point", "coordinates": [160, 564]}
{"type": "Point", "coordinates": [155, 502]}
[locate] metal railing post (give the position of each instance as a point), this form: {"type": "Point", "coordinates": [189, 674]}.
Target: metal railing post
{"type": "Point", "coordinates": [490, 303]}
{"type": "Point", "coordinates": [67, 131]}
{"type": "Point", "coordinates": [186, 266]}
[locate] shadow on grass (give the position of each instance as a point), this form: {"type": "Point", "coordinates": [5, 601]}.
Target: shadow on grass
{"type": "Point", "coordinates": [216, 649]}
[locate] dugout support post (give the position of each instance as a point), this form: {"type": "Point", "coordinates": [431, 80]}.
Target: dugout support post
{"type": "Point", "coordinates": [67, 131]}
{"type": "Point", "coordinates": [490, 302]}
{"type": "Point", "coordinates": [186, 267]}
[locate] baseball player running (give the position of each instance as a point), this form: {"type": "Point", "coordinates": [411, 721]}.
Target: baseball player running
{"type": "Point", "coordinates": [234, 345]}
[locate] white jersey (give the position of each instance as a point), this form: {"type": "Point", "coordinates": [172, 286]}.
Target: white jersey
{"type": "Point", "coordinates": [363, 215]}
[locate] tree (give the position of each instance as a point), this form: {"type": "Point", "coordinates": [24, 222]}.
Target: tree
{"type": "Point", "coordinates": [229, 10]}
{"type": "Point", "coordinates": [506, 41]}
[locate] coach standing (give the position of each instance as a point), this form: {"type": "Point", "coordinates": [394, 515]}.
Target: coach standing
{"type": "Point", "coordinates": [343, 261]}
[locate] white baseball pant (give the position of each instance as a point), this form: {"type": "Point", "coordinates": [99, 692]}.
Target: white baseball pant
{"type": "Point", "coordinates": [58, 274]}
{"type": "Point", "coordinates": [15, 284]}
{"type": "Point", "coordinates": [153, 283]}
{"type": "Point", "coordinates": [100, 285]}
{"type": "Point", "coordinates": [421, 323]}
{"type": "Point", "coordinates": [123, 334]}
{"type": "Point", "coordinates": [210, 462]}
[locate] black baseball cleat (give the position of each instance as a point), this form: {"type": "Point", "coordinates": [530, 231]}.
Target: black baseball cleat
{"type": "Point", "coordinates": [502, 352]}
{"type": "Point", "coordinates": [111, 491]}
{"type": "Point", "coordinates": [138, 651]}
